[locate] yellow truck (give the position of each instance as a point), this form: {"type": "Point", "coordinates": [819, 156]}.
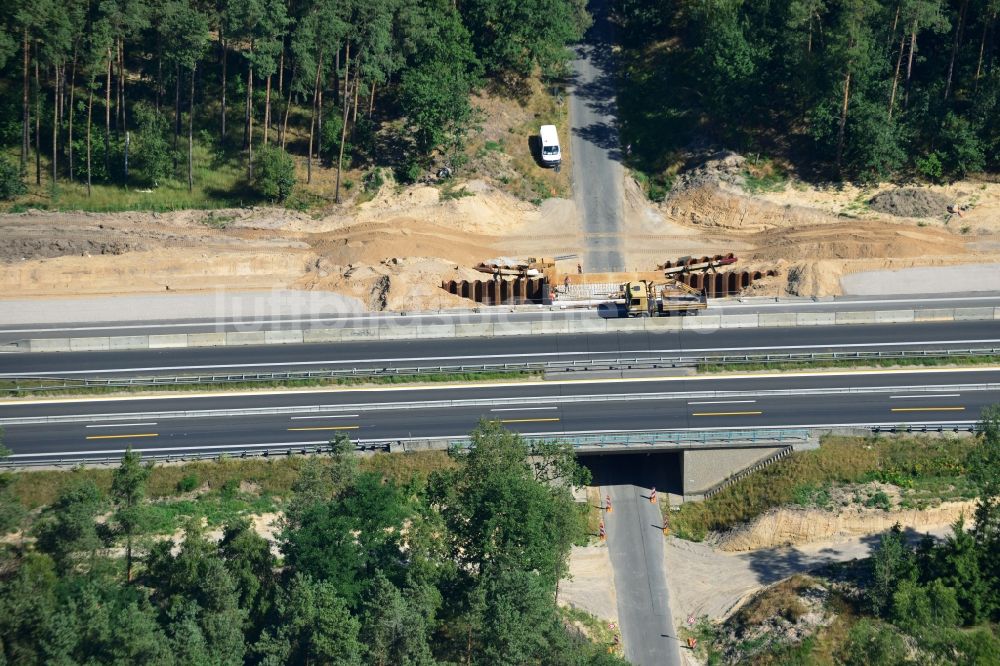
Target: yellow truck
{"type": "Point", "coordinates": [644, 298]}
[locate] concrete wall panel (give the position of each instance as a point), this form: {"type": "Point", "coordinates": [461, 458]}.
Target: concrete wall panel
{"type": "Point", "coordinates": [894, 317]}
{"type": "Point", "coordinates": [776, 320]}
{"type": "Point", "coordinates": [207, 339]}
{"type": "Point", "coordinates": [168, 341]}
{"type": "Point", "coordinates": [234, 338]}
{"type": "Point", "coordinates": [854, 318]}
{"type": "Point", "coordinates": [973, 314]}
{"type": "Point", "coordinates": [283, 337]}
{"type": "Point", "coordinates": [741, 321]}
{"type": "Point", "coordinates": [49, 345]}
{"type": "Point", "coordinates": [322, 335]}
{"type": "Point", "coordinates": [89, 344]}
{"type": "Point", "coordinates": [129, 342]}
{"type": "Point", "coordinates": [815, 319]}
{"type": "Point", "coordinates": [702, 322]}
{"type": "Point", "coordinates": [935, 314]}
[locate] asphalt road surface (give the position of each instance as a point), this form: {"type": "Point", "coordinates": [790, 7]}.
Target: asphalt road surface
{"type": "Point", "coordinates": [102, 427]}
{"type": "Point", "coordinates": [635, 543]}
{"type": "Point", "coordinates": [597, 170]}
{"type": "Point", "coordinates": [474, 351]}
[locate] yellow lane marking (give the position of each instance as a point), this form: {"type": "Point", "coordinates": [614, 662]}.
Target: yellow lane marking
{"type": "Point", "coordinates": [145, 434]}
{"type": "Point", "coordinates": [928, 409]}
{"type": "Point", "coordinates": [326, 428]}
{"type": "Point", "coordinates": [527, 420]}
{"type": "Point", "coordinates": [727, 413]}
{"type": "Point", "coordinates": [557, 382]}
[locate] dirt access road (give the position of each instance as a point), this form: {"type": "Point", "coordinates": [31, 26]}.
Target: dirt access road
{"type": "Point", "coordinates": [598, 173]}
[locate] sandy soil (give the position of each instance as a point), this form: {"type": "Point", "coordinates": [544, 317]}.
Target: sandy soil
{"type": "Point", "coordinates": [706, 581]}
{"type": "Point", "coordinates": [789, 526]}
{"type": "Point", "coordinates": [590, 585]}
{"type": "Point", "coordinates": [393, 252]}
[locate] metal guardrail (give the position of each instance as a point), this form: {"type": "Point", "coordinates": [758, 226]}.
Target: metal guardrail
{"type": "Point", "coordinates": [30, 383]}
{"type": "Point", "coordinates": [583, 442]}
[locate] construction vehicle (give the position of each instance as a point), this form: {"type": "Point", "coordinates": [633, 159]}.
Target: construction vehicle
{"type": "Point", "coordinates": [644, 298]}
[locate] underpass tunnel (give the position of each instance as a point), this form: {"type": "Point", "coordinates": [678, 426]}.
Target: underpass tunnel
{"type": "Point", "coordinates": [660, 469]}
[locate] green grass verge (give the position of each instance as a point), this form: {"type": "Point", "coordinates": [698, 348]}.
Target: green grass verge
{"type": "Point", "coordinates": [55, 388]}
{"type": "Point", "coordinates": [219, 182]}
{"type": "Point", "coordinates": [272, 478]}
{"type": "Point", "coordinates": [865, 363]}
{"type": "Point", "coordinates": [933, 467]}
{"type": "Point", "coordinates": [216, 509]}
{"type": "Point", "coordinates": [598, 631]}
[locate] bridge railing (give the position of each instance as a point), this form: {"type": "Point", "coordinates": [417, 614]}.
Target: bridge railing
{"type": "Point", "coordinates": [583, 442]}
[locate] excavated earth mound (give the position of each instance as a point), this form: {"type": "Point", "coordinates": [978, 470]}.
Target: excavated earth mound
{"type": "Point", "coordinates": [910, 202]}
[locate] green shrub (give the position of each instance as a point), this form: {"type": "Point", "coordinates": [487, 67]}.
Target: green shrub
{"type": "Point", "coordinates": [373, 180]}
{"type": "Point", "coordinates": [188, 483]}
{"type": "Point", "coordinates": [229, 489]}
{"type": "Point", "coordinates": [273, 174]}
{"type": "Point", "coordinates": [11, 182]}
{"type": "Point", "coordinates": [150, 152]}
{"type": "Point", "coordinates": [879, 500]}
{"type": "Point", "coordinates": [930, 167]}
{"type": "Point", "coordinates": [410, 172]}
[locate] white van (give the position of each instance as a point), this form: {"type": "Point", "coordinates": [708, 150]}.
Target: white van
{"type": "Point", "coordinates": [551, 155]}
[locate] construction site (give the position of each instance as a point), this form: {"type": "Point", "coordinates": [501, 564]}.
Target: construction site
{"type": "Point", "coordinates": [411, 250]}
{"type": "Point", "coordinates": [679, 287]}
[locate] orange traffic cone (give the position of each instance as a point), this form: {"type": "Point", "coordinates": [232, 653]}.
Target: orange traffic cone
{"type": "Point", "coordinates": [607, 504]}
{"type": "Point", "coordinates": [602, 532]}
{"type": "Point", "coordinates": [652, 496]}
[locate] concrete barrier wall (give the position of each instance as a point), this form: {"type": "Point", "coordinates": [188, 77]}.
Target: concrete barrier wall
{"type": "Point", "coordinates": [498, 329]}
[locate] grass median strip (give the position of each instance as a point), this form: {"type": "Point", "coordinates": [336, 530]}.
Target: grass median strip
{"type": "Point", "coordinates": [928, 361]}
{"type": "Point", "coordinates": [57, 388]}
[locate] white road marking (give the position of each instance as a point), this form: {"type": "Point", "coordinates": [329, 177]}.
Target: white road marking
{"type": "Point", "coordinates": [119, 425]}
{"type": "Point", "coordinates": [480, 386]}
{"type": "Point", "coordinates": [563, 434]}
{"type": "Point", "coordinates": [331, 416]}
{"type": "Point", "coordinates": [937, 395]}
{"type": "Point", "coordinates": [722, 402]}
{"type": "Point", "coordinates": [624, 353]}
{"type": "Point", "coordinates": [521, 409]}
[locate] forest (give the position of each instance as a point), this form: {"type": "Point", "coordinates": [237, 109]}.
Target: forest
{"type": "Point", "coordinates": [862, 90]}
{"type": "Point", "coordinates": [460, 566]}
{"type": "Point", "coordinates": [133, 92]}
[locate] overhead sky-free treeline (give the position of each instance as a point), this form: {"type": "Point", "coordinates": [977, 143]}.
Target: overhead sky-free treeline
{"type": "Point", "coordinates": [308, 76]}
{"type": "Point", "coordinates": [860, 89]}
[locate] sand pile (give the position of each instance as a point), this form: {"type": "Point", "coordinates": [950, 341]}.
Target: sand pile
{"type": "Point", "coordinates": [910, 202]}
{"type": "Point", "coordinates": [783, 527]}
{"type": "Point", "coordinates": [402, 284]}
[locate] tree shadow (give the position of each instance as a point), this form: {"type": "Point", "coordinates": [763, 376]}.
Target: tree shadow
{"type": "Point", "coordinates": [773, 564]}
{"type": "Point", "coordinates": [611, 311]}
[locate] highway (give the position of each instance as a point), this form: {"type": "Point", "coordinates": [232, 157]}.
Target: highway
{"type": "Point", "coordinates": [14, 326]}
{"type": "Point", "coordinates": [472, 351]}
{"type": "Point", "coordinates": [227, 421]}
